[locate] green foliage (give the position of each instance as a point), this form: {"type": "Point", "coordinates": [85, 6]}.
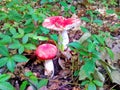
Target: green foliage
{"type": "Point", "coordinates": [4, 84]}
{"type": "Point", "coordinates": [33, 81]}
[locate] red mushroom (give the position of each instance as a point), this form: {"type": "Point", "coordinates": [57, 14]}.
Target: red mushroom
{"type": "Point", "coordinates": [62, 24]}
{"type": "Point", "coordinates": [47, 52]}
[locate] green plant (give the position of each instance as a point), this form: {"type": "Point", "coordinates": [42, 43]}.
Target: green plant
{"type": "Point", "coordinates": [33, 81]}
{"type": "Point", "coordinates": [4, 84]}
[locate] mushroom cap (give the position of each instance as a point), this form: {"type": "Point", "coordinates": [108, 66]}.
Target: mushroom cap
{"type": "Point", "coordinates": [46, 51]}
{"type": "Point", "coordinates": [60, 23]}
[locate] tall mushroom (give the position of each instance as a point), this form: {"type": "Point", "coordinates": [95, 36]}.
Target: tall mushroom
{"type": "Point", "coordinates": [47, 52]}
{"type": "Point", "coordinates": [61, 24]}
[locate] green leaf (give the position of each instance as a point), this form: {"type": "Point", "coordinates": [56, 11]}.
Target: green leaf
{"type": "Point", "coordinates": [110, 52]}
{"type": "Point", "coordinates": [23, 85]}
{"type": "Point", "coordinates": [4, 77]}
{"type": "Point", "coordinates": [75, 45]}
{"type": "Point", "coordinates": [25, 39]}
{"type": "Point", "coordinates": [28, 74]}
{"type": "Point", "coordinates": [5, 39]}
{"type": "Point", "coordinates": [110, 11]}
{"type": "Point", "coordinates": [3, 61]}
{"type": "Point", "coordinates": [34, 80]}
{"type": "Point", "coordinates": [54, 37]}
{"type": "Point", "coordinates": [64, 4]}
{"type": "Point", "coordinates": [44, 30]}
{"type": "Point", "coordinates": [21, 49]}
{"type": "Point", "coordinates": [6, 86]}
{"type": "Point", "coordinates": [14, 45]}
{"type": "Point", "coordinates": [30, 46]}
{"type": "Point", "coordinates": [85, 19]}
{"type": "Point", "coordinates": [84, 29]}
{"type": "Point", "coordinates": [98, 21]}
{"type": "Point", "coordinates": [91, 86]}
{"type": "Point", "coordinates": [11, 65]}
{"type": "Point", "coordinates": [88, 67]}
{"type": "Point", "coordinates": [43, 82]}
{"type": "Point", "coordinates": [72, 9]}
{"type": "Point", "coordinates": [19, 58]}
{"type": "Point", "coordinates": [98, 83]}
{"type": "Point", "coordinates": [12, 30]}
{"type": "Point", "coordinates": [4, 51]}
{"type": "Point", "coordinates": [91, 47]}
{"type": "Point", "coordinates": [85, 82]}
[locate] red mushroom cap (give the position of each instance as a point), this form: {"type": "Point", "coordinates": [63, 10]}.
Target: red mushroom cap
{"type": "Point", "coordinates": [60, 23]}
{"type": "Point", "coordinates": [46, 51]}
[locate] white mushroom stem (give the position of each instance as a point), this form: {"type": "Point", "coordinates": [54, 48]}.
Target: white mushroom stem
{"type": "Point", "coordinates": [49, 68]}
{"type": "Point", "coordinates": [65, 39]}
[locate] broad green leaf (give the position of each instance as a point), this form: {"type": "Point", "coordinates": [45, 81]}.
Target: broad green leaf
{"type": "Point", "coordinates": [3, 61]}
{"type": "Point", "coordinates": [44, 30]}
{"type": "Point", "coordinates": [12, 30]}
{"type": "Point", "coordinates": [11, 65]}
{"type": "Point", "coordinates": [34, 80]}
{"type": "Point", "coordinates": [25, 39]}
{"type": "Point", "coordinates": [110, 52]}
{"type": "Point", "coordinates": [4, 51]}
{"type": "Point", "coordinates": [85, 19]}
{"type": "Point", "coordinates": [91, 86]}
{"type": "Point", "coordinates": [85, 82]}
{"type": "Point", "coordinates": [88, 67]}
{"type": "Point", "coordinates": [24, 85]}
{"type": "Point", "coordinates": [42, 82]}
{"type": "Point", "coordinates": [5, 39]}
{"type": "Point", "coordinates": [98, 83]}
{"type": "Point", "coordinates": [30, 46]}
{"type": "Point", "coordinates": [19, 58]}
{"type": "Point", "coordinates": [6, 86]}
{"type": "Point", "coordinates": [110, 11]}
{"type": "Point", "coordinates": [4, 77]}
{"type": "Point", "coordinates": [14, 45]}
{"type": "Point", "coordinates": [21, 49]}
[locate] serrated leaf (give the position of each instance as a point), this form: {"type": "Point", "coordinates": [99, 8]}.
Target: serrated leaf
{"type": "Point", "coordinates": [85, 19]}
{"type": "Point", "coordinates": [24, 85]}
{"type": "Point", "coordinates": [19, 58]}
{"type": "Point", "coordinates": [64, 4]}
{"type": "Point", "coordinates": [91, 86]}
{"type": "Point", "coordinates": [4, 77]}
{"type": "Point", "coordinates": [3, 61]}
{"type": "Point", "coordinates": [72, 9]}
{"type": "Point", "coordinates": [4, 51]}
{"type": "Point", "coordinates": [43, 82]}
{"type": "Point", "coordinates": [11, 65]}
{"type": "Point", "coordinates": [6, 86]}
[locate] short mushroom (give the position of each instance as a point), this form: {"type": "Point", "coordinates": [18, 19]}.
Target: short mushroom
{"type": "Point", "coordinates": [47, 52]}
{"type": "Point", "coordinates": [61, 24]}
